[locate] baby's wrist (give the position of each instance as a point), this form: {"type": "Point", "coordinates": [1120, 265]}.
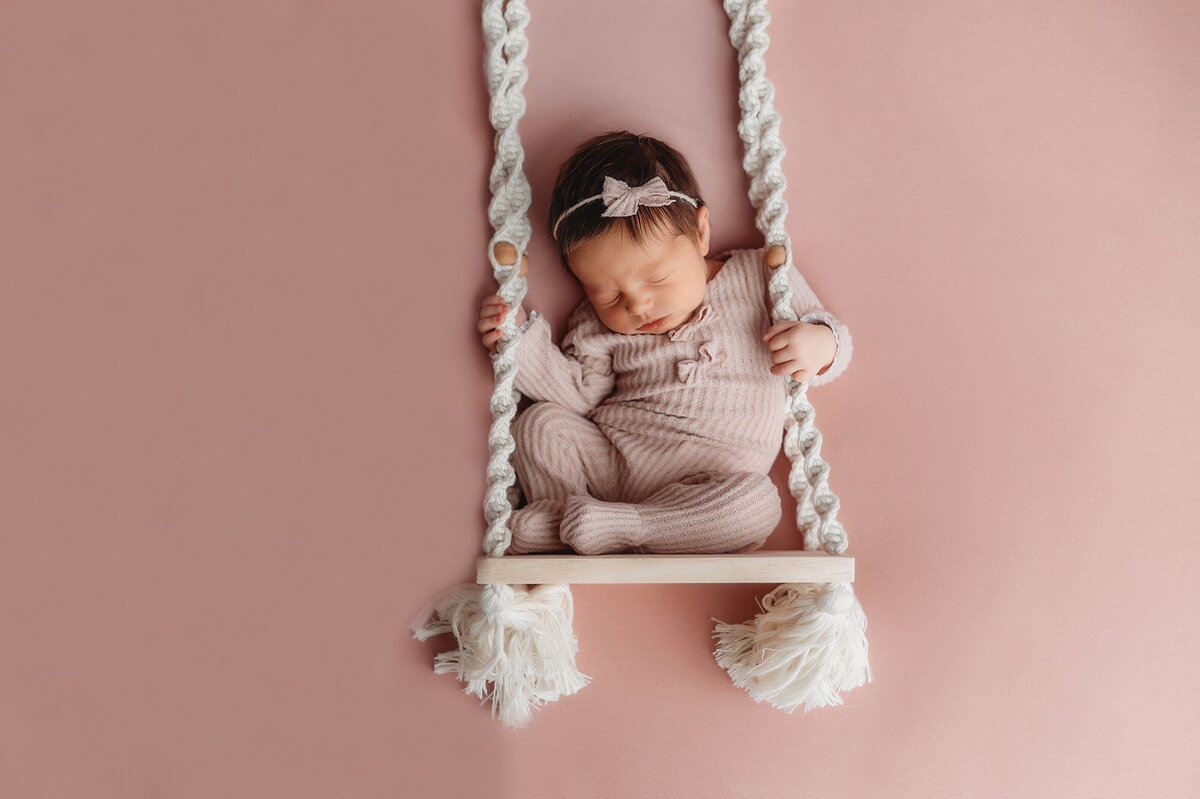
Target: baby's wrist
{"type": "Point", "coordinates": [834, 344]}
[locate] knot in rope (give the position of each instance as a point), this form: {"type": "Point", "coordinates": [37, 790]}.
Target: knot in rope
{"type": "Point", "coordinates": [496, 600]}
{"type": "Point", "coordinates": [836, 599]}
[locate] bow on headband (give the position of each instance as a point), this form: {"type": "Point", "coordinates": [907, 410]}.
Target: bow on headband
{"type": "Point", "coordinates": [621, 199]}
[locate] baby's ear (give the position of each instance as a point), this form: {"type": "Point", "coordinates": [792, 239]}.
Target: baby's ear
{"type": "Point", "coordinates": [704, 229]}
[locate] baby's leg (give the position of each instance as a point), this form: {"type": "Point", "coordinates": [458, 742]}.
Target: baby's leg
{"type": "Point", "coordinates": [704, 513]}
{"type": "Point", "coordinates": [559, 454]}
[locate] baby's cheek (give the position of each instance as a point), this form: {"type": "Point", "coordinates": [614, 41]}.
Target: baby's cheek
{"type": "Point", "coordinates": [610, 319]}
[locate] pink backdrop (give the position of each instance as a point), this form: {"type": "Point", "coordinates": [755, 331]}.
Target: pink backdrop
{"type": "Point", "coordinates": [244, 409]}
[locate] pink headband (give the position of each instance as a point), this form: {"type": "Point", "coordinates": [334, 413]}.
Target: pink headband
{"type": "Point", "coordinates": [621, 199]}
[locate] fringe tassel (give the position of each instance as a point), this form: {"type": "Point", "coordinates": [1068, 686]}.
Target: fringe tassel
{"type": "Point", "coordinates": [807, 645]}
{"type": "Point", "coordinates": [518, 639]}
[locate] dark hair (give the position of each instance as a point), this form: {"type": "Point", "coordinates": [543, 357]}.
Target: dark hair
{"type": "Point", "coordinates": [633, 160]}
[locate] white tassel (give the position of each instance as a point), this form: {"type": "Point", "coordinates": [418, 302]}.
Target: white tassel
{"type": "Point", "coordinates": [518, 639]}
{"type": "Point", "coordinates": [807, 645]}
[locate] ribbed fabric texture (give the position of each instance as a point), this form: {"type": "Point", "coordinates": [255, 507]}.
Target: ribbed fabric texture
{"type": "Point", "coordinates": [658, 443]}
{"type": "Point", "coordinates": [702, 514]}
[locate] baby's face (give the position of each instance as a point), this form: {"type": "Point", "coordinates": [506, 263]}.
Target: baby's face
{"type": "Point", "coordinates": [645, 289]}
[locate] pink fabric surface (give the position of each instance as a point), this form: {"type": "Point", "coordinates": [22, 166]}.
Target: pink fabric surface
{"type": "Point", "coordinates": [244, 408]}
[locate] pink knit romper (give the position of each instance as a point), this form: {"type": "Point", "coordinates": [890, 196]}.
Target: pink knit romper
{"type": "Point", "coordinates": [658, 443]}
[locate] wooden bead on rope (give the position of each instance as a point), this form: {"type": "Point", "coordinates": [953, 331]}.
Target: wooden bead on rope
{"type": "Point", "coordinates": [776, 256]}
{"type": "Point", "coordinates": [506, 255]}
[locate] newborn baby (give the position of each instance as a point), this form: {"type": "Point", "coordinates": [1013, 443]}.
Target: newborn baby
{"type": "Point", "coordinates": [656, 424]}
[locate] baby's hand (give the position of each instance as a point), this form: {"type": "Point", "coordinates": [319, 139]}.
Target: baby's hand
{"type": "Point", "coordinates": [491, 315]}
{"type": "Point", "coordinates": [800, 349]}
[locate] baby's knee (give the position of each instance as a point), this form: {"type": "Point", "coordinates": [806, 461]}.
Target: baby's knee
{"type": "Point", "coordinates": [539, 420]}
{"type": "Point", "coordinates": [754, 499]}
{"type": "Point", "coordinates": [751, 488]}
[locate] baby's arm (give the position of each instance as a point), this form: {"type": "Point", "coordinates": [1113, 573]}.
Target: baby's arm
{"type": "Point", "coordinates": [579, 376]}
{"type": "Point", "coordinates": [816, 348]}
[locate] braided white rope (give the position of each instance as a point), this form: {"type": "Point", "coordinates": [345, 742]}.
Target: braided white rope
{"type": "Point", "coordinates": [504, 31]}
{"type": "Point", "coordinates": [808, 480]}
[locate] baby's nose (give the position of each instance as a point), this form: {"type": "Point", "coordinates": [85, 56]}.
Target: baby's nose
{"type": "Point", "coordinates": [638, 304]}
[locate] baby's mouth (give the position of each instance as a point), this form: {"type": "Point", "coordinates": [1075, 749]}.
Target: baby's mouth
{"type": "Point", "coordinates": [654, 324]}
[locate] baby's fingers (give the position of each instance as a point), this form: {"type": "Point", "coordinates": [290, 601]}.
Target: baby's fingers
{"type": "Point", "coordinates": [494, 309]}
{"type": "Point", "coordinates": [796, 369]}
{"type": "Point", "coordinates": [492, 304]}
{"type": "Point", "coordinates": [774, 330]}
{"type": "Point", "coordinates": [782, 355]}
{"type": "Point", "coordinates": [492, 321]}
{"type": "Point", "coordinates": [785, 368]}
{"type": "Point", "coordinates": [490, 339]}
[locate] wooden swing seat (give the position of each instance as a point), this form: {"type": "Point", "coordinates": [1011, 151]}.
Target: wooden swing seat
{"type": "Point", "coordinates": [750, 567]}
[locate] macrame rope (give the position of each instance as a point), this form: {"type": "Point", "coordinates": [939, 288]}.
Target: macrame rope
{"type": "Point", "coordinates": [808, 480]}
{"type": "Point", "coordinates": [504, 26]}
